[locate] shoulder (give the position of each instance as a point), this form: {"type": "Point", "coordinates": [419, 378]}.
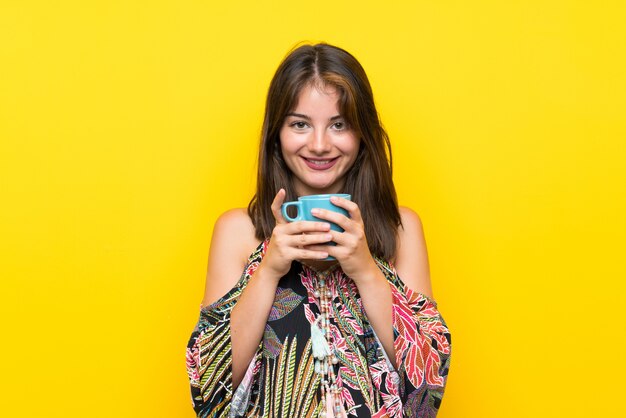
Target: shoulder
{"type": "Point", "coordinates": [235, 220]}
{"type": "Point", "coordinates": [234, 231]}
{"type": "Point", "coordinates": [232, 242]}
{"type": "Point", "coordinates": [411, 259]}
{"type": "Point", "coordinates": [410, 218]}
{"type": "Point", "coordinates": [411, 232]}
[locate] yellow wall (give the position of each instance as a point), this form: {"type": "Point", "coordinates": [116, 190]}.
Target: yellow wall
{"type": "Point", "coordinates": [127, 127]}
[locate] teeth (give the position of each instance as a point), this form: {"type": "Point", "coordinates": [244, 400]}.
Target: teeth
{"type": "Point", "coordinates": [319, 162]}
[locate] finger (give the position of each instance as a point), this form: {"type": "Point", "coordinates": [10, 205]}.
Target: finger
{"type": "Point", "coordinates": [334, 217]}
{"type": "Point", "coordinates": [279, 199]}
{"type": "Point", "coordinates": [340, 238]}
{"type": "Point", "coordinates": [300, 227]}
{"type": "Point", "coordinates": [303, 240]}
{"type": "Point", "coordinates": [343, 239]}
{"type": "Point", "coordinates": [320, 247]}
{"type": "Point", "coordinates": [306, 254]}
{"type": "Point", "coordinates": [331, 250]}
{"type": "Point", "coordinates": [347, 239]}
{"type": "Point", "coordinates": [350, 206]}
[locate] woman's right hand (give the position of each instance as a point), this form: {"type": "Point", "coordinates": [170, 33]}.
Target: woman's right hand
{"type": "Point", "coordinates": [289, 241]}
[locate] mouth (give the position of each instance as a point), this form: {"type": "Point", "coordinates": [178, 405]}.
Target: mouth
{"type": "Point", "coordinates": [319, 163]}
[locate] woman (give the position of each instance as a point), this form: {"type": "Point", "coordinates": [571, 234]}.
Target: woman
{"type": "Point", "coordinates": [295, 335]}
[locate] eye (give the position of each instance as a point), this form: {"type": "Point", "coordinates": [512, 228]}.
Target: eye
{"type": "Point", "coordinates": [299, 125]}
{"type": "Point", "coordinates": [339, 126]}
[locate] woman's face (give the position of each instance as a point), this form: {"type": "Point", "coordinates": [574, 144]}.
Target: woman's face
{"type": "Point", "coordinates": [317, 144]}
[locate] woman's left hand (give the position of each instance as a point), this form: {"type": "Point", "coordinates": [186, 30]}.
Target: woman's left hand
{"type": "Point", "coordinates": [351, 250]}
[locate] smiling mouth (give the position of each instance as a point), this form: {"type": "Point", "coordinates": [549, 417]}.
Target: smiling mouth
{"type": "Point", "coordinates": [320, 164]}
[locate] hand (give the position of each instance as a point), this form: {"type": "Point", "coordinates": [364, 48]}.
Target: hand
{"type": "Point", "coordinates": [291, 240]}
{"type": "Point", "coordinates": [351, 250]}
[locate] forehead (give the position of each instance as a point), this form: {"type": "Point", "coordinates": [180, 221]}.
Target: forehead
{"type": "Point", "coordinates": [318, 99]}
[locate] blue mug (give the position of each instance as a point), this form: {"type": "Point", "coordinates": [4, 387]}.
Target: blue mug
{"type": "Point", "coordinates": [320, 201]}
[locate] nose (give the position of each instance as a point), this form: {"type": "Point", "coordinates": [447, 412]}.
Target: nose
{"type": "Point", "coordinates": [320, 142]}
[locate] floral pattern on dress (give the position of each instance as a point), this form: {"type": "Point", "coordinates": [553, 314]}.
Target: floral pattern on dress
{"type": "Point", "coordinates": [283, 382]}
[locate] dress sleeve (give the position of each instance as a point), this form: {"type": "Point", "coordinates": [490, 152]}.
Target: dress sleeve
{"type": "Point", "coordinates": [209, 354]}
{"type": "Point", "coordinates": [422, 345]}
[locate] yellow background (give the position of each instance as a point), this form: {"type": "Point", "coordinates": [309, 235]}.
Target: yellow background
{"type": "Point", "coordinates": [127, 127]}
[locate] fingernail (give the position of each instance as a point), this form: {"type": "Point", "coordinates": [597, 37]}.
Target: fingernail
{"type": "Point", "coordinates": [328, 237]}
{"type": "Point", "coordinates": [315, 211]}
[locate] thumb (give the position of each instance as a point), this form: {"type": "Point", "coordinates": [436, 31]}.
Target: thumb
{"type": "Point", "coordinates": [276, 204]}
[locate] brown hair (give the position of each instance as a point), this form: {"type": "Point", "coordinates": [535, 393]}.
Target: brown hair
{"type": "Point", "coordinates": [369, 180]}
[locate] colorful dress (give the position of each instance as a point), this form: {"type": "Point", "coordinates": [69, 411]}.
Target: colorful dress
{"type": "Point", "coordinates": [281, 381]}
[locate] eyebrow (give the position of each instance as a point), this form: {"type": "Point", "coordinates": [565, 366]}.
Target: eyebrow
{"type": "Point", "coordinates": [300, 115]}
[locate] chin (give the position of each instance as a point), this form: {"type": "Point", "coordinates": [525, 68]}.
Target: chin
{"type": "Point", "coordinates": [320, 185]}
{"type": "Point", "coordinates": [322, 189]}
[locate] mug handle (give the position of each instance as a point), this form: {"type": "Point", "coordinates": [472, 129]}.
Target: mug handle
{"type": "Point", "coordinates": [284, 207]}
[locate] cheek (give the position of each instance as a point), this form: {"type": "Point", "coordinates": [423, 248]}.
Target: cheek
{"type": "Point", "coordinates": [286, 141]}
{"type": "Point", "coordinates": [284, 144]}
{"type": "Point", "coordinates": [288, 149]}
{"type": "Point", "coordinates": [351, 147]}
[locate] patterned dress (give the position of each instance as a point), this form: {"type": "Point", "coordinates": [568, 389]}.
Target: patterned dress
{"type": "Point", "coordinates": [281, 382]}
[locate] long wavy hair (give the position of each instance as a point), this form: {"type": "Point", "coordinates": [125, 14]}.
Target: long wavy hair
{"type": "Point", "coordinates": [369, 180]}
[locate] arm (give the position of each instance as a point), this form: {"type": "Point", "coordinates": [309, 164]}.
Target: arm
{"type": "Point", "coordinates": [402, 314]}
{"type": "Point", "coordinates": [421, 338]}
{"type": "Point", "coordinates": [377, 302]}
{"type": "Point", "coordinates": [233, 239]}
{"type": "Point", "coordinates": [249, 316]}
{"type": "Point", "coordinates": [357, 262]}
{"type": "Point", "coordinates": [229, 333]}
{"type": "Point", "coordinates": [411, 261]}
{"type": "Point", "coordinates": [209, 351]}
